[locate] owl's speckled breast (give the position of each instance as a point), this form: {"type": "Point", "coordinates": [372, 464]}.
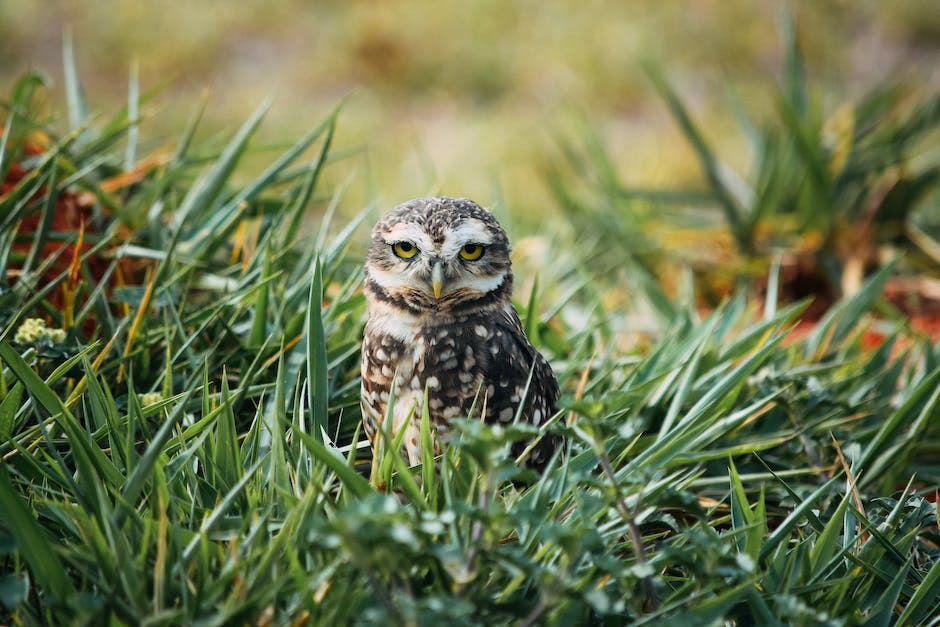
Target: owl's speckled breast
{"type": "Point", "coordinates": [446, 358]}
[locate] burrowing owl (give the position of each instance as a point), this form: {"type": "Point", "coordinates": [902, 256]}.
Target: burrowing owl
{"type": "Point", "coordinates": [438, 281]}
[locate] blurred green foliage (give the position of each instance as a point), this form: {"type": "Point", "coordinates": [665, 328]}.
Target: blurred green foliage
{"type": "Point", "coordinates": [457, 97]}
{"type": "Point", "coordinates": [830, 191]}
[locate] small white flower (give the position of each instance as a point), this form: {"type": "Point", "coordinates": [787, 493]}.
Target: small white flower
{"type": "Point", "coordinates": [150, 398]}
{"type": "Point", "coordinates": [56, 336]}
{"type": "Point", "coordinates": [34, 330]}
{"type": "Point", "coordinates": [30, 331]}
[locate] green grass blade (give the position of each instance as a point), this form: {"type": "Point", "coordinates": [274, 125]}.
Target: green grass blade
{"type": "Point", "coordinates": [841, 319]}
{"type": "Point", "coordinates": [32, 542]}
{"type": "Point", "coordinates": [700, 416]}
{"type": "Point", "coordinates": [317, 368]}
{"type": "Point", "coordinates": [260, 309]}
{"type": "Point", "coordinates": [292, 224]}
{"type": "Point", "coordinates": [186, 139]}
{"type": "Point", "coordinates": [925, 601]}
{"type": "Point", "coordinates": [873, 459]}
{"type": "Point", "coordinates": [204, 192]}
{"type": "Point", "coordinates": [733, 213]}
{"type": "Point", "coordinates": [9, 406]}
{"type": "Point", "coordinates": [407, 482]}
{"type": "Point", "coordinates": [827, 542]}
{"type": "Point", "coordinates": [226, 460]}
{"type": "Point", "coordinates": [794, 71]}
{"type": "Point", "coordinates": [133, 113]}
{"type": "Point", "coordinates": [531, 325]}
{"type": "Point", "coordinates": [224, 219]}
{"type": "Point", "coordinates": [686, 379]}
{"type": "Point", "coordinates": [351, 480]}
{"type": "Point", "coordinates": [93, 465]}
{"type": "Point", "coordinates": [19, 110]}
{"type": "Point", "coordinates": [75, 95]}
{"type": "Point", "coordinates": [751, 524]}
{"type": "Point", "coordinates": [226, 504]}
{"type": "Point", "coordinates": [782, 532]}
{"type": "Point", "coordinates": [428, 474]}
{"type": "Point", "coordinates": [143, 469]}
{"type": "Point", "coordinates": [883, 614]}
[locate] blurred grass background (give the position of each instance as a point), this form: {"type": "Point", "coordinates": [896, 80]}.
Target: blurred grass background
{"type": "Point", "coordinates": [466, 98]}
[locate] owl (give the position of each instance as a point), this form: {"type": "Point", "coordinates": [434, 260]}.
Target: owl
{"type": "Point", "coordinates": [438, 282]}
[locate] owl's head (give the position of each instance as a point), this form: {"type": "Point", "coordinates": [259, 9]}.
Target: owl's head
{"type": "Point", "coordinates": [444, 255]}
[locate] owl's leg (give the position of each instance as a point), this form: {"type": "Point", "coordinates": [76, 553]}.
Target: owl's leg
{"type": "Point", "coordinates": [407, 416]}
{"type": "Point", "coordinates": [413, 443]}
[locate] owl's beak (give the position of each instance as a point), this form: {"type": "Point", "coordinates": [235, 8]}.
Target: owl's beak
{"type": "Point", "coordinates": [437, 278]}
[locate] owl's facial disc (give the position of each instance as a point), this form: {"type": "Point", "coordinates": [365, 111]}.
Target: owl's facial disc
{"type": "Point", "coordinates": [435, 273]}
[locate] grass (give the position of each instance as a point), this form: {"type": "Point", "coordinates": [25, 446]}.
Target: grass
{"type": "Point", "coordinates": [190, 451]}
{"type": "Point", "coordinates": [829, 190]}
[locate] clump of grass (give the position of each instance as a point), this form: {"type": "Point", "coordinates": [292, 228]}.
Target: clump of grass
{"type": "Point", "coordinates": [833, 191]}
{"type": "Point", "coordinates": [191, 452]}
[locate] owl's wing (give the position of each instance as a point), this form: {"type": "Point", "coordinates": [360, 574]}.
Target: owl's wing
{"type": "Point", "coordinates": [508, 370]}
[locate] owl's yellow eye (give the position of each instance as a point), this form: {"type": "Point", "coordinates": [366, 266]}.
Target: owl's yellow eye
{"type": "Point", "coordinates": [471, 252]}
{"type": "Point", "coordinates": [405, 250]}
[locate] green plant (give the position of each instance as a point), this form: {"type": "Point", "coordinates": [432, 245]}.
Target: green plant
{"type": "Point", "coordinates": [190, 453]}
{"type": "Point", "coordinates": [831, 187]}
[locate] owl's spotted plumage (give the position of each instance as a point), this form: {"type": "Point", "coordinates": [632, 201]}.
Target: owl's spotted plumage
{"type": "Point", "coordinates": [438, 282]}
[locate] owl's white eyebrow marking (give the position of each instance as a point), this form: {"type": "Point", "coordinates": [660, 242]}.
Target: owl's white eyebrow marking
{"type": "Point", "coordinates": [467, 232]}
{"type": "Point", "coordinates": [391, 281]}
{"type": "Point", "coordinates": [409, 232]}
{"type": "Point", "coordinates": [484, 285]}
